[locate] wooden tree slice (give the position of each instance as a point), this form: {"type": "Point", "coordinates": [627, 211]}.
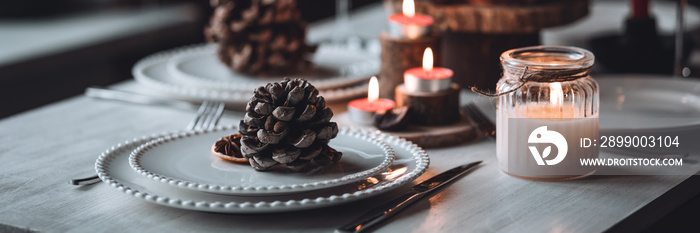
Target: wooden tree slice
{"type": "Point", "coordinates": [441, 108]}
{"type": "Point", "coordinates": [460, 132]}
{"type": "Point", "coordinates": [500, 2]}
{"type": "Point", "coordinates": [439, 136]}
{"type": "Point", "coordinates": [397, 56]}
{"type": "Point", "coordinates": [500, 19]}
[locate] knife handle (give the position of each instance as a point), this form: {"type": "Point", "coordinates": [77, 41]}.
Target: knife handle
{"type": "Point", "coordinates": [381, 213]}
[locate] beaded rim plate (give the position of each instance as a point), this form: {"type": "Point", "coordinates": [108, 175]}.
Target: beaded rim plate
{"type": "Point", "coordinates": [334, 67]}
{"type": "Point", "coordinates": [152, 72]}
{"type": "Point", "coordinates": [113, 168]}
{"type": "Point", "coordinates": [184, 160]}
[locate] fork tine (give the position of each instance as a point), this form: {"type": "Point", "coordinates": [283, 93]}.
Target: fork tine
{"type": "Point", "coordinates": [198, 116]}
{"type": "Point", "coordinates": [211, 116]}
{"type": "Point", "coordinates": [206, 118]}
{"type": "Point", "coordinates": [217, 115]}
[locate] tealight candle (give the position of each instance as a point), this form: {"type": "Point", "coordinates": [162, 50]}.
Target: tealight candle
{"type": "Point", "coordinates": [428, 78]}
{"type": "Point", "coordinates": [408, 24]}
{"type": "Point", "coordinates": [363, 110]}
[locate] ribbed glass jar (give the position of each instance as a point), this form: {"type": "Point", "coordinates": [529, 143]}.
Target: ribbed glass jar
{"type": "Point", "coordinates": [567, 102]}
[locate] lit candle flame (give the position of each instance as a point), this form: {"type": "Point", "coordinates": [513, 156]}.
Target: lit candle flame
{"type": "Point", "coordinates": [409, 8]}
{"type": "Point", "coordinates": [428, 59]}
{"type": "Point", "coordinates": [373, 90]}
{"type": "Point", "coordinates": [556, 95]}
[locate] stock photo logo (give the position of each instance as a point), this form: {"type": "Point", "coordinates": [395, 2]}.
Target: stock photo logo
{"type": "Point", "coordinates": [542, 135]}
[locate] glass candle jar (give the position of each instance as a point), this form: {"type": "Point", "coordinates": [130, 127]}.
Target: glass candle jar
{"type": "Point", "coordinates": [547, 103]}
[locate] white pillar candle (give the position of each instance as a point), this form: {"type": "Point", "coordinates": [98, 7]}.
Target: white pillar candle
{"type": "Point", "coordinates": [515, 156]}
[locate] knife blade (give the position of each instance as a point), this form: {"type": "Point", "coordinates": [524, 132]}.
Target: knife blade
{"type": "Point", "coordinates": [417, 192]}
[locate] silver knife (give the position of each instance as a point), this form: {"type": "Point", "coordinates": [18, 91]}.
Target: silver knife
{"type": "Point", "coordinates": [419, 191]}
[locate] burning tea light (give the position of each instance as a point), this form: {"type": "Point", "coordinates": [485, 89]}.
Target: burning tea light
{"type": "Point", "coordinates": [428, 78]}
{"type": "Point", "coordinates": [409, 24]}
{"type": "Point", "coordinates": [363, 110]}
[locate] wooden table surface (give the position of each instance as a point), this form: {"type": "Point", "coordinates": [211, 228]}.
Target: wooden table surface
{"type": "Point", "coordinates": [42, 149]}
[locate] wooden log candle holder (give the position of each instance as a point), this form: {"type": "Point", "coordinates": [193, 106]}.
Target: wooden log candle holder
{"type": "Point", "coordinates": [475, 32]}
{"type": "Point", "coordinates": [398, 55]}
{"type": "Point", "coordinates": [439, 108]}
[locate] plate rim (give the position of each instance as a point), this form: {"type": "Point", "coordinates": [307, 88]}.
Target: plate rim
{"type": "Point", "coordinates": [102, 166]}
{"type": "Point", "coordinates": [480, 100]}
{"type": "Point", "coordinates": [195, 94]}
{"type": "Point", "coordinates": [196, 51]}
{"type": "Point", "coordinates": [137, 154]}
{"type": "Point", "coordinates": [653, 78]}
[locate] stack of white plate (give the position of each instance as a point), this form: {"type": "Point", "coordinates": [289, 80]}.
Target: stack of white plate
{"type": "Point", "coordinates": [178, 170]}
{"type": "Point", "coordinates": [194, 73]}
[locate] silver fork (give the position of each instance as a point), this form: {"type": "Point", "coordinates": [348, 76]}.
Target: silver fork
{"type": "Point", "coordinates": [207, 117]}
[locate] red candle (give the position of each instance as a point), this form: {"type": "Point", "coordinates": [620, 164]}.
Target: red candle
{"type": "Point", "coordinates": [366, 105]}
{"type": "Point", "coordinates": [363, 110]}
{"type": "Point", "coordinates": [427, 78]}
{"type": "Point", "coordinates": [640, 9]}
{"type": "Point", "coordinates": [408, 24]}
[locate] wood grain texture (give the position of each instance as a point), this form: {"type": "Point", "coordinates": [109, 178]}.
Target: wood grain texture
{"type": "Point", "coordinates": [428, 137]}
{"type": "Point", "coordinates": [440, 108]}
{"type": "Point", "coordinates": [500, 19]}
{"type": "Point", "coordinates": [440, 136]}
{"type": "Point", "coordinates": [398, 55]}
{"type": "Point", "coordinates": [44, 148]}
{"type": "Point", "coordinates": [474, 58]}
{"type": "Point", "coordinates": [498, 2]}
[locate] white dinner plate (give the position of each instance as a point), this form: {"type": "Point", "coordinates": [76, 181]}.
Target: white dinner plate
{"type": "Point", "coordinates": [152, 71]}
{"type": "Point", "coordinates": [633, 102]}
{"type": "Point", "coordinates": [185, 160]}
{"type": "Point", "coordinates": [648, 102]}
{"type": "Point", "coordinates": [333, 67]}
{"type": "Point", "coordinates": [113, 168]}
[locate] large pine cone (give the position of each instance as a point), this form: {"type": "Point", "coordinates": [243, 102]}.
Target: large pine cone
{"type": "Point", "coordinates": [288, 123]}
{"type": "Point", "coordinates": [257, 36]}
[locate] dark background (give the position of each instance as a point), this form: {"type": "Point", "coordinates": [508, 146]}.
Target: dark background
{"type": "Point", "coordinates": [28, 84]}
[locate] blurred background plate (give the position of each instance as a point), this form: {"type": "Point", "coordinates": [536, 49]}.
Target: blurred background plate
{"type": "Point", "coordinates": [633, 102]}
{"type": "Point", "coordinates": [152, 72]}
{"type": "Point", "coordinates": [630, 102]}
{"type": "Point", "coordinates": [333, 67]}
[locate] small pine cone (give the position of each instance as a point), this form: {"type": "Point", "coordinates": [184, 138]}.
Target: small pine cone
{"type": "Point", "coordinates": [288, 123]}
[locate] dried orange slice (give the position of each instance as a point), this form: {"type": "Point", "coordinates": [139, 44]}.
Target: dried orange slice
{"type": "Point", "coordinates": [228, 148]}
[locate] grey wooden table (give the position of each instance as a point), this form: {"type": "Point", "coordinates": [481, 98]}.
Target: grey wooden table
{"type": "Point", "coordinates": [42, 149]}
